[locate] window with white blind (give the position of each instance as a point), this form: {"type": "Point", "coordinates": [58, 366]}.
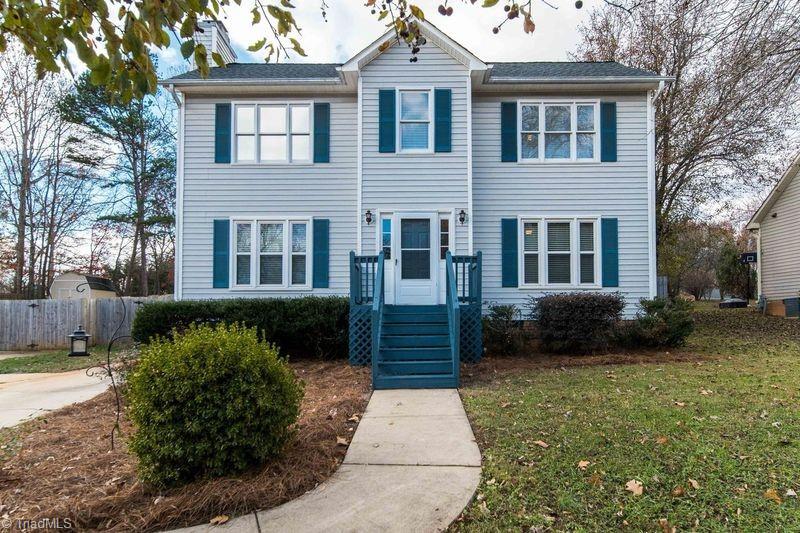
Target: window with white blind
{"type": "Point", "coordinates": [272, 132]}
{"type": "Point", "coordinates": [272, 253]}
{"type": "Point", "coordinates": [557, 130]}
{"type": "Point", "coordinates": [415, 111]}
{"type": "Point", "coordinates": [558, 252]}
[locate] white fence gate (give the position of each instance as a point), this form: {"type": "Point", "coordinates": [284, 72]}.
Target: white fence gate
{"type": "Point", "coordinates": [45, 324]}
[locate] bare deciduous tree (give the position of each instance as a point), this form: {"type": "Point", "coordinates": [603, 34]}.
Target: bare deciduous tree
{"type": "Point", "coordinates": [737, 72]}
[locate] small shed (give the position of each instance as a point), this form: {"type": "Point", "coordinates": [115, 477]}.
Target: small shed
{"type": "Point", "coordinates": [75, 285]}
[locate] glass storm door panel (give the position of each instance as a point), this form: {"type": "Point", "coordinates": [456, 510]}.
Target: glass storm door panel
{"type": "Point", "coordinates": [415, 271]}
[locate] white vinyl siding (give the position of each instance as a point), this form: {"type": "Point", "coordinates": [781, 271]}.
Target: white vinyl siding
{"type": "Point", "coordinates": [780, 246]}
{"type": "Point", "coordinates": [258, 192]}
{"type": "Point", "coordinates": [616, 190]}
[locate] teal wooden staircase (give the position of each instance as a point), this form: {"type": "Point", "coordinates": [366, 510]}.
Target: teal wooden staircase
{"type": "Point", "coordinates": [414, 346]}
{"type": "Point", "coordinates": [415, 350]}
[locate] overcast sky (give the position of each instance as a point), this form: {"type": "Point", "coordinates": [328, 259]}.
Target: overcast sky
{"type": "Point", "coordinates": [351, 27]}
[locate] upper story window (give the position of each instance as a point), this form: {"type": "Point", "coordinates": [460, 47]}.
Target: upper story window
{"type": "Point", "coordinates": [271, 253]}
{"type": "Point", "coordinates": [559, 252]}
{"type": "Point", "coordinates": [273, 133]}
{"type": "Point", "coordinates": [415, 120]}
{"type": "Point", "coordinates": [558, 131]}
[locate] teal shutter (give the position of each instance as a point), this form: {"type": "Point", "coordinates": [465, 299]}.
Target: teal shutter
{"type": "Point", "coordinates": [222, 134]}
{"type": "Point", "coordinates": [443, 113]}
{"type": "Point", "coordinates": [222, 233]}
{"type": "Point", "coordinates": [608, 131]}
{"type": "Point", "coordinates": [386, 121]}
{"type": "Point", "coordinates": [322, 132]}
{"type": "Point", "coordinates": [508, 245]}
{"type": "Point", "coordinates": [321, 253]}
{"type": "Point", "coordinates": [508, 132]}
{"type": "Point", "coordinates": [609, 240]}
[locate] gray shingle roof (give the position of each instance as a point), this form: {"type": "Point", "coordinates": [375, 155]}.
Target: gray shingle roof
{"type": "Point", "coordinates": [265, 71]}
{"type": "Point", "coordinates": [567, 70]}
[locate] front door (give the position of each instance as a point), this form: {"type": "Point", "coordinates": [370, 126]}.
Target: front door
{"type": "Point", "coordinates": [416, 270]}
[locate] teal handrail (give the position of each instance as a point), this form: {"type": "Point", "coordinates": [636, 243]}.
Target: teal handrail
{"type": "Point", "coordinates": [377, 316]}
{"type": "Point", "coordinates": [453, 314]}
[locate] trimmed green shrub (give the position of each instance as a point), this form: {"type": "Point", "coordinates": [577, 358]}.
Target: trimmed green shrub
{"type": "Point", "coordinates": [503, 332]}
{"type": "Point", "coordinates": [660, 323]}
{"type": "Point", "coordinates": [301, 327]}
{"type": "Point", "coordinates": [212, 401]}
{"type": "Point", "coordinates": [577, 322]}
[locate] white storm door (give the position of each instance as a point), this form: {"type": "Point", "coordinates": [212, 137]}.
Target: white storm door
{"type": "Point", "coordinates": [416, 271]}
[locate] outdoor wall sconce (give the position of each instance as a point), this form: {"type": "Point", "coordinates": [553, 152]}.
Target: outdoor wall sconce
{"type": "Point", "coordinates": [462, 216]}
{"type": "Point", "coordinates": [368, 217]}
{"type": "Point", "coordinates": [79, 343]}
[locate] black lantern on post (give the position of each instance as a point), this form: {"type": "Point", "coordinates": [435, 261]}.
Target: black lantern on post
{"type": "Point", "coordinates": [79, 343]}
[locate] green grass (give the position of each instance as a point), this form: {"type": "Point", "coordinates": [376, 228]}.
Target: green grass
{"type": "Point", "coordinates": [53, 361]}
{"type": "Point", "coordinates": [737, 441]}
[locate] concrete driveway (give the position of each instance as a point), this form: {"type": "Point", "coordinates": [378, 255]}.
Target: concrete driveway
{"type": "Point", "coordinates": [24, 396]}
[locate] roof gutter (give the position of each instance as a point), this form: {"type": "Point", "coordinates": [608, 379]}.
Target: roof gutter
{"type": "Point", "coordinates": [253, 81]}
{"type": "Point", "coordinates": [581, 80]}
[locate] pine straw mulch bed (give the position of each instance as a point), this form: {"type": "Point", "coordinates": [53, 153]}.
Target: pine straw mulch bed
{"type": "Point", "coordinates": [61, 465]}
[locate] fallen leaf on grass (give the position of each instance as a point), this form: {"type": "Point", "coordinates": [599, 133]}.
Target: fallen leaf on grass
{"type": "Point", "coordinates": [341, 441]}
{"type": "Point", "coordinates": [541, 443]}
{"type": "Point", "coordinates": [772, 494]}
{"type": "Point", "coordinates": [695, 485]}
{"type": "Point", "coordinates": [219, 520]}
{"type": "Point", "coordinates": [706, 392]}
{"type": "Point", "coordinates": [595, 480]}
{"type": "Point", "coordinates": [661, 440]}
{"type": "Point", "coordinates": [678, 491]}
{"type": "Point", "coordinates": [634, 487]}
{"type": "Point", "coordinates": [665, 527]}
{"type": "Point", "coordinates": [680, 404]}
{"type": "Point", "coordinates": [791, 493]}
{"type": "Point", "coordinates": [583, 464]}
{"type": "Point", "coordinates": [505, 404]}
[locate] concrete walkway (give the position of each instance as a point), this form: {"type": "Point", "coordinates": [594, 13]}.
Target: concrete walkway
{"type": "Point", "coordinates": [412, 465]}
{"type": "Point", "coordinates": [24, 396]}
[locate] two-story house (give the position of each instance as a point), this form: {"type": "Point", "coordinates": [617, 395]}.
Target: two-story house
{"type": "Point", "coordinates": [359, 178]}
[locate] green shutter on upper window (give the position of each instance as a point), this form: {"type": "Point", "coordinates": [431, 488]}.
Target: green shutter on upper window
{"type": "Point", "coordinates": [387, 127]}
{"type": "Point", "coordinates": [222, 133]}
{"type": "Point", "coordinates": [322, 132]}
{"type": "Point", "coordinates": [443, 114]}
{"type": "Point", "coordinates": [509, 254]}
{"type": "Point", "coordinates": [508, 132]}
{"type": "Point", "coordinates": [608, 131]}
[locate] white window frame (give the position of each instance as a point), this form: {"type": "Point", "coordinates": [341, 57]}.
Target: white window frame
{"type": "Point", "coordinates": [429, 122]}
{"type": "Point", "coordinates": [290, 158]}
{"type": "Point", "coordinates": [573, 103]}
{"type": "Point", "coordinates": [575, 253]}
{"type": "Point", "coordinates": [255, 225]}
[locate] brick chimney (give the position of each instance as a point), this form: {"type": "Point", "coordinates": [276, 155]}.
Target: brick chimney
{"type": "Point", "coordinates": [214, 36]}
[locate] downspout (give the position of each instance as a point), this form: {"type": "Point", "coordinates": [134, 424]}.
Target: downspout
{"type": "Point", "coordinates": [178, 277]}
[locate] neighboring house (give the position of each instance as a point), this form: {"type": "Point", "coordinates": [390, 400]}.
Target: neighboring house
{"type": "Point", "coordinates": [74, 285]}
{"type": "Point", "coordinates": [777, 226]}
{"type": "Point", "coordinates": [538, 177]}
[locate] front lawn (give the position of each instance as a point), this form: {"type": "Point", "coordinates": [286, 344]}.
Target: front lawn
{"type": "Point", "coordinates": [54, 361]}
{"type": "Point", "coordinates": [710, 432]}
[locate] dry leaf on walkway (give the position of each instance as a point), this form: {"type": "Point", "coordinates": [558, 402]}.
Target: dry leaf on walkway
{"type": "Point", "coordinates": [772, 494]}
{"type": "Point", "coordinates": [219, 520]}
{"type": "Point", "coordinates": [695, 485]}
{"type": "Point", "coordinates": [583, 464]}
{"type": "Point", "coordinates": [635, 487]}
{"type": "Point", "coordinates": [541, 443]}
{"type": "Point", "coordinates": [341, 441]}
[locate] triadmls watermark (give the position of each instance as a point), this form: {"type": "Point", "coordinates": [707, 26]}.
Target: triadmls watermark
{"type": "Point", "coordinates": [24, 524]}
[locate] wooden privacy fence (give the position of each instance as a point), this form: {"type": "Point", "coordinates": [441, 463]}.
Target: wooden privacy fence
{"type": "Point", "coordinates": [45, 324]}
